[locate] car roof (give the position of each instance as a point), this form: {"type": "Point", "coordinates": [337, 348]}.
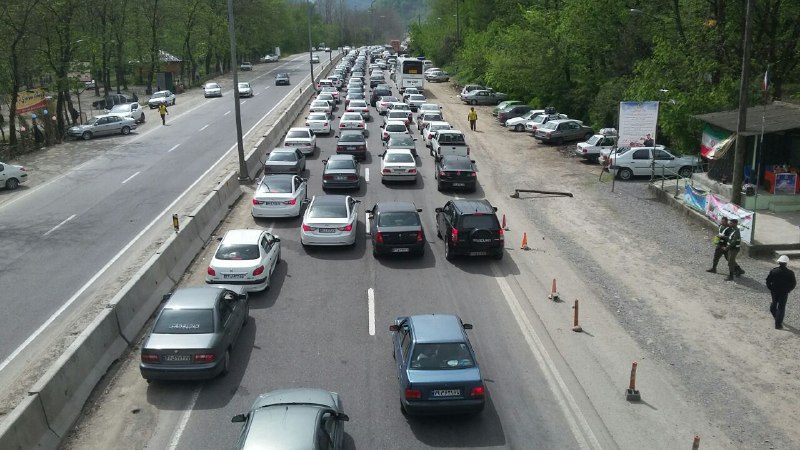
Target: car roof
{"type": "Point", "coordinates": [473, 206]}
{"type": "Point", "coordinates": [341, 157]}
{"type": "Point", "coordinates": [285, 149]}
{"type": "Point", "coordinates": [195, 297]}
{"type": "Point", "coordinates": [404, 151]}
{"type": "Point", "coordinates": [434, 328]}
{"type": "Point", "coordinates": [396, 206]}
{"type": "Point", "coordinates": [557, 121]}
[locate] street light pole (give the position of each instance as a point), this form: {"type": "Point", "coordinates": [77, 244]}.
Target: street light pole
{"type": "Point", "coordinates": [243, 175]}
{"type": "Point", "coordinates": [741, 125]}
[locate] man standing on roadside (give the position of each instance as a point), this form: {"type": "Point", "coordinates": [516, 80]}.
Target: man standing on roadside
{"type": "Point", "coordinates": [780, 282]}
{"type": "Point", "coordinates": [734, 241]}
{"type": "Point", "coordinates": [472, 117]}
{"type": "Point", "coordinates": [162, 111]}
{"type": "Point", "coordinates": [720, 242]}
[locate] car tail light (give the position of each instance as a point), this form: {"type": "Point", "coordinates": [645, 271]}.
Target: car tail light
{"type": "Point", "coordinates": [290, 202]}
{"type": "Point", "coordinates": [458, 173]}
{"type": "Point", "coordinates": [259, 270]}
{"type": "Point", "coordinates": [327, 177]}
{"type": "Point", "coordinates": [387, 171]}
{"type": "Point", "coordinates": [308, 228]}
{"type": "Point", "coordinates": [477, 391]}
{"type": "Point", "coordinates": [347, 228]}
{"type": "Point", "coordinates": [420, 236]}
{"type": "Point", "coordinates": [360, 125]}
{"type": "Point", "coordinates": [362, 147]}
{"type": "Point", "coordinates": [150, 358]}
{"type": "Point", "coordinates": [205, 357]}
{"type": "Point", "coordinates": [306, 123]}
{"type": "Point", "coordinates": [339, 148]}
{"type": "Point", "coordinates": [468, 150]}
{"type": "Point", "coordinates": [325, 124]}
{"type": "Point", "coordinates": [341, 125]}
{"type": "Point", "coordinates": [257, 202]}
{"type": "Point", "coordinates": [502, 235]}
{"type": "Point", "coordinates": [379, 237]}
{"type": "Point", "coordinates": [413, 394]}
{"type": "Point", "coordinates": [211, 271]}
{"type": "Point", "coordinates": [352, 177]}
{"type": "Point", "coordinates": [412, 171]}
{"type": "Point", "coordinates": [473, 174]}
{"type": "Point", "coordinates": [454, 236]}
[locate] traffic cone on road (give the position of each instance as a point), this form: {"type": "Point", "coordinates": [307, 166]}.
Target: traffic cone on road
{"type": "Point", "coordinates": [524, 245]}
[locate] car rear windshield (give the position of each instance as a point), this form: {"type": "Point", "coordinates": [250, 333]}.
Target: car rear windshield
{"type": "Point", "coordinates": [352, 116]}
{"type": "Point", "coordinates": [318, 117]}
{"type": "Point", "coordinates": [282, 156]}
{"type": "Point", "coordinates": [398, 219]}
{"type": "Point", "coordinates": [339, 164]}
{"type": "Point", "coordinates": [185, 321]}
{"type": "Point", "coordinates": [451, 138]}
{"type": "Point", "coordinates": [328, 212]}
{"type": "Point", "coordinates": [396, 128]}
{"type": "Point", "coordinates": [280, 185]}
{"type": "Point", "coordinates": [482, 221]}
{"type": "Point", "coordinates": [297, 134]}
{"type": "Point", "coordinates": [441, 356]}
{"type": "Point", "coordinates": [401, 140]}
{"type": "Point", "coordinates": [351, 138]}
{"type": "Point", "coordinates": [399, 158]}
{"type": "Point", "coordinates": [235, 252]}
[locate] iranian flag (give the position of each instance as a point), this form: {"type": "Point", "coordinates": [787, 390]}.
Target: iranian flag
{"type": "Point", "coordinates": [714, 142]}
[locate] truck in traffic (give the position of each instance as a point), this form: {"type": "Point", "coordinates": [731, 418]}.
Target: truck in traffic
{"type": "Point", "coordinates": [395, 46]}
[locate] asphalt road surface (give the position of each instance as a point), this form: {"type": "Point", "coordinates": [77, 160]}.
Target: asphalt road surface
{"type": "Point", "coordinates": [59, 235]}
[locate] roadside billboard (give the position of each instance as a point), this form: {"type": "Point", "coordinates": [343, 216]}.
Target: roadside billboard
{"type": "Point", "coordinates": [637, 124]}
{"type": "Point", "coordinates": [31, 100]}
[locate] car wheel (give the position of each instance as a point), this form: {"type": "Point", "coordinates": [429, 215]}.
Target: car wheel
{"type": "Point", "coordinates": [12, 183]}
{"type": "Point", "coordinates": [173, 102]}
{"type": "Point", "coordinates": [519, 127]}
{"type": "Point", "coordinates": [448, 253]}
{"type": "Point", "coordinates": [625, 174]}
{"type": "Point", "coordinates": [226, 363]}
{"type": "Point", "coordinates": [126, 130]}
{"type": "Point", "coordinates": [473, 102]}
{"type": "Point", "coordinates": [375, 253]}
{"type": "Point", "coordinates": [439, 187]}
{"type": "Point", "coordinates": [498, 256]}
{"type": "Point", "coordinates": [142, 121]}
{"type": "Point", "coordinates": [685, 172]}
{"type": "Point", "coordinates": [86, 135]}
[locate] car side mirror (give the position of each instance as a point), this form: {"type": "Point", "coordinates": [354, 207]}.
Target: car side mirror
{"type": "Point", "coordinates": [324, 161]}
{"type": "Point", "coordinates": [472, 161]}
{"type": "Point", "coordinates": [304, 180]}
{"type": "Point", "coordinates": [384, 153]}
{"type": "Point", "coordinates": [166, 296]}
{"type": "Point", "coordinates": [419, 209]}
{"type": "Point", "coordinates": [306, 201]}
{"type": "Point", "coordinates": [239, 418]}
{"type": "Point", "coordinates": [467, 326]}
{"type": "Point", "coordinates": [394, 327]}
{"type": "Point", "coordinates": [343, 417]}
{"type": "Point", "coordinates": [438, 210]}
{"type": "Point", "coordinates": [494, 208]}
{"type": "Point", "coordinates": [368, 211]}
{"type": "Point", "coordinates": [277, 239]}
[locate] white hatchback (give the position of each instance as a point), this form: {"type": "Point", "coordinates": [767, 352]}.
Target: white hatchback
{"type": "Point", "coordinates": [246, 258]}
{"type": "Point", "coordinates": [301, 138]}
{"type": "Point", "coordinates": [330, 220]}
{"type": "Point", "coordinates": [11, 176]}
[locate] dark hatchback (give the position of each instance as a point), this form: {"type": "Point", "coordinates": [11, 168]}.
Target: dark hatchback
{"type": "Point", "coordinates": [436, 365]}
{"type": "Point", "coordinates": [469, 227]}
{"type": "Point", "coordinates": [512, 112]}
{"type": "Point", "coordinates": [352, 142]}
{"type": "Point", "coordinates": [340, 171]}
{"type": "Point", "coordinates": [377, 93]}
{"type": "Point", "coordinates": [455, 172]}
{"type": "Point", "coordinates": [395, 228]}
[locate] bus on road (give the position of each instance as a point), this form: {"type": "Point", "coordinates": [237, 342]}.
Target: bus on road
{"type": "Point", "coordinates": [409, 74]}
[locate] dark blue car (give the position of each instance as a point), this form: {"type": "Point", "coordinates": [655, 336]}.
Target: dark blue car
{"type": "Point", "coordinates": [438, 371]}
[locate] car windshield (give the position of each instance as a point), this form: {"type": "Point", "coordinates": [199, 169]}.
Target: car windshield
{"type": "Point", "coordinates": [398, 219]}
{"type": "Point", "coordinates": [281, 185]}
{"type": "Point", "coordinates": [237, 252]}
{"type": "Point", "coordinates": [328, 212]}
{"type": "Point", "coordinates": [550, 126]}
{"type": "Point", "coordinates": [244, 86]}
{"type": "Point", "coordinates": [282, 156]}
{"type": "Point", "coordinates": [441, 356]}
{"type": "Point", "coordinates": [339, 164]}
{"type": "Point", "coordinates": [121, 108]}
{"type": "Point", "coordinates": [212, 86]}
{"type": "Point", "coordinates": [317, 117]}
{"type": "Point", "coordinates": [297, 134]}
{"type": "Point", "coordinates": [416, 97]}
{"type": "Point", "coordinates": [457, 164]}
{"type": "Point", "coordinates": [484, 221]}
{"type": "Point", "coordinates": [92, 121]}
{"type": "Point", "coordinates": [282, 75]}
{"type": "Point", "coordinates": [399, 158]}
{"type": "Point", "coordinates": [320, 104]}
{"type": "Point", "coordinates": [401, 140]}
{"type": "Point", "coordinates": [395, 128]}
{"type": "Point", "coordinates": [451, 138]}
{"type": "Point", "coordinates": [185, 321]}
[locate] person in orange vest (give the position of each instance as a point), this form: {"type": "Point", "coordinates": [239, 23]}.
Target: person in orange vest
{"type": "Point", "coordinates": [472, 117]}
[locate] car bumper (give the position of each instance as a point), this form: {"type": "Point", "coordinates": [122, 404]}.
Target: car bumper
{"type": "Point", "coordinates": [281, 83]}
{"type": "Point", "coordinates": [471, 251]}
{"type": "Point", "coordinates": [334, 239]}
{"type": "Point", "coordinates": [443, 406]}
{"type": "Point", "coordinates": [399, 249]}
{"type": "Point", "coordinates": [277, 210]}
{"type": "Point", "coordinates": [257, 285]}
{"type": "Point", "coordinates": [181, 372]}
{"type": "Point", "coordinates": [335, 184]}
{"type": "Point", "coordinates": [466, 185]}
{"type": "Point", "coordinates": [399, 177]}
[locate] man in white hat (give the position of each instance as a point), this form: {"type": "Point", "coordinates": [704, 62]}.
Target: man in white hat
{"type": "Point", "coordinates": [780, 282]}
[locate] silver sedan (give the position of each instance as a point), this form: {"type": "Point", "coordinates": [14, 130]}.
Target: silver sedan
{"type": "Point", "coordinates": [330, 220]}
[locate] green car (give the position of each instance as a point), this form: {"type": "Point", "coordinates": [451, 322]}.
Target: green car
{"type": "Point", "coordinates": [503, 105]}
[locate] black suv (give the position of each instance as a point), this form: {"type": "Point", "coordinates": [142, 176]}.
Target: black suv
{"type": "Point", "coordinates": [377, 93]}
{"type": "Point", "coordinates": [469, 227]}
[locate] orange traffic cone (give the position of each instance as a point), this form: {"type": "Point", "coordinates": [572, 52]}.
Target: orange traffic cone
{"type": "Point", "coordinates": [503, 225]}
{"type": "Point", "coordinates": [553, 292]}
{"type": "Point", "coordinates": [524, 245]}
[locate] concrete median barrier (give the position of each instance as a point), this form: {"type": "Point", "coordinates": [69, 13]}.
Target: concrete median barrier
{"type": "Point", "coordinates": [26, 427]}
{"type": "Point", "coordinates": [137, 300]}
{"type": "Point", "coordinates": [207, 216]}
{"type": "Point", "coordinates": [64, 388]}
{"type": "Point", "coordinates": [179, 249]}
{"type": "Point", "coordinates": [229, 190]}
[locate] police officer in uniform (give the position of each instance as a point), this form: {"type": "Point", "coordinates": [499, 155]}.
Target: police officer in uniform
{"type": "Point", "coordinates": [780, 282]}
{"type": "Point", "coordinates": [734, 241]}
{"type": "Point", "coordinates": [721, 241]}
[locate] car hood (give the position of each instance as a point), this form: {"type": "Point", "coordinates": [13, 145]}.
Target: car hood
{"type": "Point", "coordinates": [80, 127]}
{"type": "Point", "coordinates": [158, 341]}
{"type": "Point", "coordinates": [444, 376]}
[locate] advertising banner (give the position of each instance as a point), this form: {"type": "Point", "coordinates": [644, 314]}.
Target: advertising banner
{"type": "Point", "coordinates": [717, 207]}
{"type": "Point", "coordinates": [637, 124]}
{"type": "Point", "coordinates": [31, 100]}
{"type": "Point", "coordinates": [785, 183]}
{"type": "Point", "coordinates": [695, 198]}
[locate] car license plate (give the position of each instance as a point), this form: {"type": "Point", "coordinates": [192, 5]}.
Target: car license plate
{"type": "Point", "coordinates": [341, 178]}
{"type": "Point", "coordinates": [351, 148]}
{"type": "Point", "coordinates": [177, 358]}
{"type": "Point", "coordinates": [326, 230]}
{"type": "Point", "coordinates": [446, 392]}
{"type": "Point", "coordinates": [459, 184]}
{"type": "Point", "coordinates": [232, 275]}
{"type": "Point", "coordinates": [272, 203]}
{"type": "Point", "coordinates": [477, 253]}
{"type": "Point", "coordinates": [401, 250]}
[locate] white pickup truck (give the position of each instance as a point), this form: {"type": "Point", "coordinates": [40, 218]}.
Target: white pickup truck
{"type": "Point", "coordinates": [449, 142]}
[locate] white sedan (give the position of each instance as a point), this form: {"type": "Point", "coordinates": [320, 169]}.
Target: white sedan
{"type": "Point", "coordinates": [318, 123]}
{"type": "Point", "coordinates": [330, 220]}
{"type": "Point", "coordinates": [359, 106]}
{"type": "Point", "coordinates": [212, 90]}
{"type": "Point", "coordinates": [431, 128]}
{"type": "Point", "coordinates": [279, 195]}
{"type": "Point", "coordinates": [246, 258]}
{"type": "Point", "coordinates": [323, 106]}
{"type": "Point", "coordinates": [165, 97]}
{"type": "Point", "coordinates": [11, 176]}
{"type": "Point", "coordinates": [301, 138]}
{"type": "Point", "coordinates": [393, 127]}
{"type": "Point", "coordinates": [353, 121]}
{"type": "Point", "coordinates": [128, 110]}
{"type": "Point", "coordinates": [398, 165]}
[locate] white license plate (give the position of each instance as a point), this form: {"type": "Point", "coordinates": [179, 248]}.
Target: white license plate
{"type": "Point", "coordinates": [177, 358]}
{"type": "Point", "coordinates": [446, 392]}
{"type": "Point", "coordinates": [401, 250]}
{"type": "Point", "coordinates": [459, 184]}
{"type": "Point", "coordinates": [351, 148]}
{"type": "Point", "coordinates": [232, 275]}
{"type": "Point", "coordinates": [327, 230]}
{"type": "Point", "coordinates": [272, 203]}
{"type": "Point", "coordinates": [341, 178]}
{"type": "Point", "coordinates": [477, 253]}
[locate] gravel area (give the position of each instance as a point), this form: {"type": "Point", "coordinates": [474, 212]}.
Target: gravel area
{"type": "Point", "coordinates": [647, 264]}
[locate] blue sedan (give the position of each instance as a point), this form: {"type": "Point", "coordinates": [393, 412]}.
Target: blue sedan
{"type": "Point", "coordinates": [438, 371]}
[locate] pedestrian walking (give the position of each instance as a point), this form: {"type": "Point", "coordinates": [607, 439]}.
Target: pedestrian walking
{"type": "Point", "coordinates": [780, 282]}
{"type": "Point", "coordinates": [720, 244]}
{"type": "Point", "coordinates": [472, 117]}
{"type": "Point", "coordinates": [734, 242]}
{"type": "Point", "coordinates": [162, 111]}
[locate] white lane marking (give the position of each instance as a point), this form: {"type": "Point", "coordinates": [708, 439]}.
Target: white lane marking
{"type": "Point", "coordinates": [59, 225]}
{"type": "Point", "coordinates": [226, 113]}
{"type": "Point", "coordinates": [371, 310]}
{"type": "Point", "coordinates": [243, 102]}
{"type": "Point", "coordinates": [577, 422]}
{"type": "Point", "coordinates": [204, 127]}
{"type": "Point", "coordinates": [131, 177]}
{"type": "Point", "coordinates": [173, 148]}
{"type": "Point", "coordinates": [366, 174]}
{"type": "Point", "coordinates": [176, 437]}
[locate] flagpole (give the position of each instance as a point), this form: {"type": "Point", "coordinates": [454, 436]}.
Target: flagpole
{"type": "Point", "coordinates": [765, 89]}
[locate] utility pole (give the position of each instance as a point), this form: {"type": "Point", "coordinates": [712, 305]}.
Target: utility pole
{"type": "Point", "coordinates": [243, 175]}
{"type": "Point", "coordinates": [741, 126]}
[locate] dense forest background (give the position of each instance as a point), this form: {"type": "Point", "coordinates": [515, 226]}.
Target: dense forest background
{"type": "Point", "coordinates": [581, 56]}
